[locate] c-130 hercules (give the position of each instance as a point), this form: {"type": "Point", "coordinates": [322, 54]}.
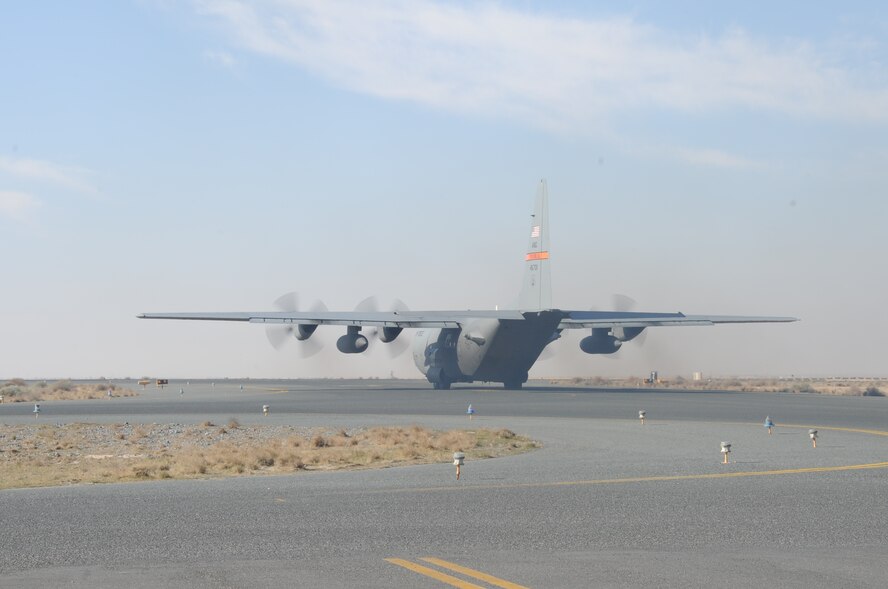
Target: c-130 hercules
{"type": "Point", "coordinates": [490, 346]}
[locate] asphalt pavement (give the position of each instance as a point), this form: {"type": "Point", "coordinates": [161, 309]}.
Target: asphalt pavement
{"type": "Point", "coordinates": [607, 502]}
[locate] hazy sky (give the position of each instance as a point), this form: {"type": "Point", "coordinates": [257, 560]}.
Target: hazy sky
{"type": "Point", "coordinates": [704, 157]}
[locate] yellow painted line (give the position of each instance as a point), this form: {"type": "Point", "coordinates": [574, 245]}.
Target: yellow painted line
{"type": "Point", "coordinates": [650, 479]}
{"type": "Point", "coordinates": [438, 576]}
{"type": "Point", "coordinates": [853, 430]}
{"type": "Point", "coordinates": [473, 573]}
{"type": "Point", "coordinates": [686, 477]}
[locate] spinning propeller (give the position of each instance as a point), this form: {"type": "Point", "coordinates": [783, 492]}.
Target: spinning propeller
{"type": "Point", "coordinates": [619, 302]}
{"type": "Point", "coordinates": [279, 334]}
{"type": "Point", "coordinates": [395, 343]}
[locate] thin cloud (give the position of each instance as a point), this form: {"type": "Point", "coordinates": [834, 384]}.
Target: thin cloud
{"type": "Point", "coordinates": [220, 58]}
{"type": "Point", "coordinates": [69, 177]}
{"type": "Point", "coordinates": [17, 206]}
{"type": "Point", "coordinates": [714, 158]}
{"type": "Point", "coordinates": [566, 73]}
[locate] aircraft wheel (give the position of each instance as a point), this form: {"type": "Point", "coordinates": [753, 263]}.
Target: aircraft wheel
{"type": "Point", "coordinates": [512, 385]}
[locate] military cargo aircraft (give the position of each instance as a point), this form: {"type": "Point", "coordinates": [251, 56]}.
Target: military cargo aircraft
{"type": "Point", "coordinates": [489, 346]}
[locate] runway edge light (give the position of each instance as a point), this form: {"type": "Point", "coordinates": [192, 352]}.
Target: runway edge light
{"type": "Point", "coordinates": [725, 450]}
{"type": "Point", "coordinates": [458, 460]}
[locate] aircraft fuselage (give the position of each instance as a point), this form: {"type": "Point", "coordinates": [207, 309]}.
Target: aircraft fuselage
{"type": "Point", "coordinates": [492, 350]}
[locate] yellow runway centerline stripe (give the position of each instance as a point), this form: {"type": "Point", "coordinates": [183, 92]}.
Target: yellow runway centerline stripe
{"type": "Point", "coordinates": [473, 573]}
{"type": "Point", "coordinates": [438, 576]}
{"type": "Point", "coordinates": [648, 479]}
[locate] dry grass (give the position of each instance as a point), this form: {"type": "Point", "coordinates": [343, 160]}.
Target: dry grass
{"type": "Point", "coordinates": [47, 455]}
{"type": "Point", "coordinates": [825, 386]}
{"type": "Point", "coordinates": [17, 390]}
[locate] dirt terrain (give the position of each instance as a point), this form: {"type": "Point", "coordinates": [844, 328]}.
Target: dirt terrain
{"type": "Point", "coordinates": [42, 455]}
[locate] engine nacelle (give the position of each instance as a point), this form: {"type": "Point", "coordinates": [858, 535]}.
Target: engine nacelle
{"type": "Point", "coordinates": [352, 343]}
{"type": "Point", "coordinates": [388, 334]}
{"type": "Point", "coordinates": [304, 331]}
{"type": "Point", "coordinates": [599, 343]}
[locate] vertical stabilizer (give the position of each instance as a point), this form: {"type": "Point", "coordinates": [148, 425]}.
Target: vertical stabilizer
{"type": "Point", "coordinates": [536, 294]}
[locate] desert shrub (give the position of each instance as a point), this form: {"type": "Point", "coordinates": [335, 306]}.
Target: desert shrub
{"type": "Point", "coordinates": [265, 459]}
{"type": "Point", "coordinates": [141, 472]}
{"type": "Point", "coordinates": [873, 391]}
{"type": "Point", "coordinates": [319, 441]}
{"type": "Point", "coordinates": [63, 385]}
{"type": "Point", "coordinates": [233, 423]}
{"type": "Point", "coordinates": [11, 391]}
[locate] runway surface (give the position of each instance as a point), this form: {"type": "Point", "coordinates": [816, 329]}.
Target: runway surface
{"type": "Point", "coordinates": [606, 503]}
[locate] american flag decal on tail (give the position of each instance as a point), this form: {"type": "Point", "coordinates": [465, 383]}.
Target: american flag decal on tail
{"type": "Point", "coordinates": [535, 231]}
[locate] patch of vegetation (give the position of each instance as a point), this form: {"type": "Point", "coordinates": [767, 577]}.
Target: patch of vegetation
{"type": "Point", "coordinates": [45, 455]}
{"type": "Point", "coordinates": [849, 387]}
{"type": "Point", "coordinates": [17, 390]}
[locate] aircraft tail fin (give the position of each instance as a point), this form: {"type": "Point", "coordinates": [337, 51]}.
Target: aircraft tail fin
{"type": "Point", "coordinates": [536, 293]}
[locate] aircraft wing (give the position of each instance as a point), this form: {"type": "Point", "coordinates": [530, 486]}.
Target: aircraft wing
{"type": "Point", "coordinates": [349, 318]}
{"type": "Point", "coordinates": [586, 319]}
{"type": "Point", "coordinates": [408, 319]}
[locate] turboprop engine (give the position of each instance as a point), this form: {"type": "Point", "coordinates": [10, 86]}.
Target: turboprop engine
{"type": "Point", "coordinates": [600, 343]}
{"type": "Point", "coordinates": [352, 342]}
{"type": "Point", "coordinates": [389, 334]}
{"type": "Point", "coordinates": [303, 331]}
{"type": "Point", "coordinates": [605, 340]}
